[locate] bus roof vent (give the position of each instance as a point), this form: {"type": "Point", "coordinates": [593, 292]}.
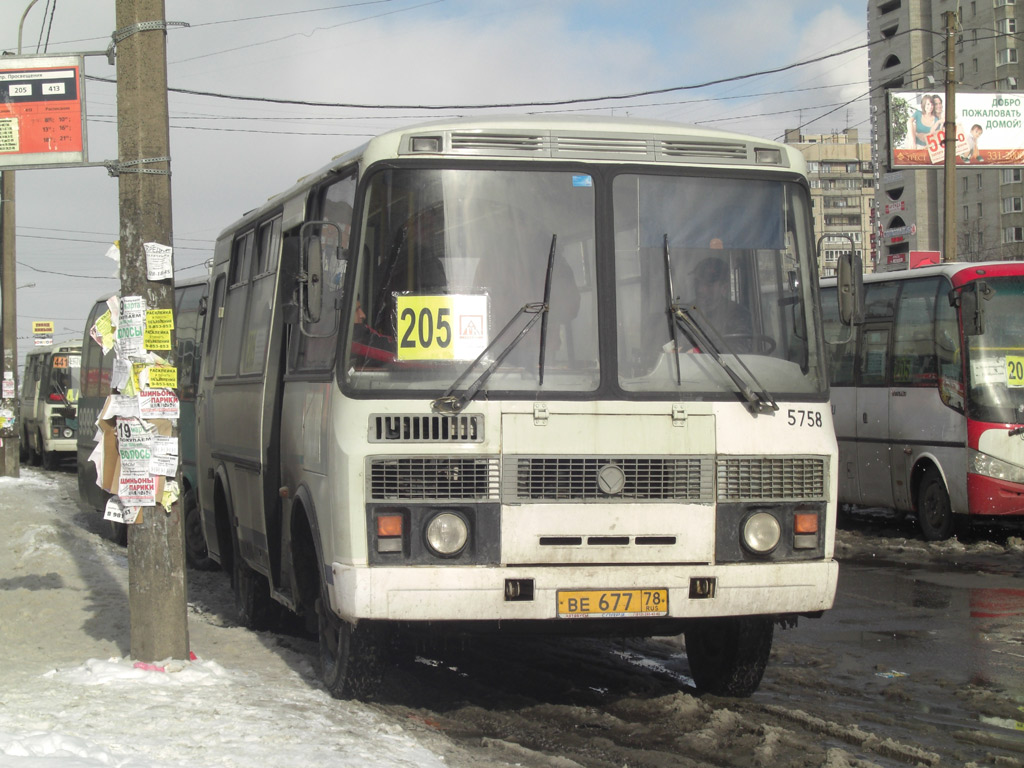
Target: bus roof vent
{"type": "Point", "coordinates": [597, 145]}
{"type": "Point", "coordinates": [499, 143]}
{"type": "Point", "coordinates": [698, 149]}
{"type": "Point", "coordinates": [426, 428]}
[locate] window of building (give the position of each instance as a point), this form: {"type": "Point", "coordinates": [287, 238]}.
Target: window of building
{"type": "Point", "coordinates": [980, 212]}
{"type": "Point", "coordinates": [1007, 26]}
{"type": "Point", "coordinates": [1011, 175]}
{"type": "Point", "coordinates": [1012, 205]}
{"type": "Point", "coordinates": [974, 8]}
{"type": "Point", "coordinates": [966, 213]}
{"type": "Point", "coordinates": [890, 6]}
{"type": "Point", "coordinates": [979, 181]}
{"type": "Point", "coordinates": [1006, 56]}
{"type": "Point", "coordinates": [890, 31]}
{"type": "Point", "coordinates": [1013, 235]}
{"type": "Point", "coordinates": [891, 61]}
{"type": "Point", "coordinates": [974, 64]}
{"type": "Point", "coordinates": [965, 184]}
{"type": "Point", "coordinates": [1001, 3]}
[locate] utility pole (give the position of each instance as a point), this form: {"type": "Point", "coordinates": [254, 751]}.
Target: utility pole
{"type": "Point", "coordinates": [949, 180]}
{"type": "Point", "coordinates": [156, 546]}
{"type": "Point", "coordinates": [10, 438]}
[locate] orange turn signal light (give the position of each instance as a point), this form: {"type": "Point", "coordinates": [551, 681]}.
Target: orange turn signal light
{"type": "Point", "coordinates": [389, 525]}
{"type": "Point", "coordinates": [805, 522]}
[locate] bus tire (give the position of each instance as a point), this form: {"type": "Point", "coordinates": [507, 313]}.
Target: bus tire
{"type": "Point", "coordinates": [51, 460]}
{"type": "Point", "coordinates": [351, 655]}
{"type": "Point", "coordinates": [728, 655]}
{"type": "Point", "coordinates": [33, 453]}
{"type": "Point", "coordinates": [256, 608]}
{"type": "Point", "coordinates": [195, 544]}
{"type": "Point", "coordinates": [934, 513]}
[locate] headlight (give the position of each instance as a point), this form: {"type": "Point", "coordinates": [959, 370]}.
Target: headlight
{"type": "Point", "coordinates": [761, 533]}
{"type": "Point", "coordinates": [68, 432]}
{"type": "Point", "coordinates": [447, 534]}
{"type": "Point", "coordinates": [990, 466]}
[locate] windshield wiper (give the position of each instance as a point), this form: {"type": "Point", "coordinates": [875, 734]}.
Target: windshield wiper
{"type": "Point", "coordinates": [703, 333]}
{"type": "Point", "coordinates": [450, 403]}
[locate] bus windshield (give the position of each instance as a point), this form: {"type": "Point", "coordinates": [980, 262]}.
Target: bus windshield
{"type": "Point", "coordinates": [65, 376]}
{"type": "Point", "coordinates": [454, 263]}
{"type": "Point", "coordinates": [995, 358]}
{"type": "Point", "coordinates": [449, 257]}
{"type": "Point", "coordinates": [740, 259]}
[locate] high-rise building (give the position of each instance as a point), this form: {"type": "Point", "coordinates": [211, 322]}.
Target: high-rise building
{"type": "Point", "coordinates": [908, 52]}
{"type": "Point", "coordinates": [842, 179]}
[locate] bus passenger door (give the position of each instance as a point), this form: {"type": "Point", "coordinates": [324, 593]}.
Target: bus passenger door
{"type": "Point", "coordinates": [872, 417]}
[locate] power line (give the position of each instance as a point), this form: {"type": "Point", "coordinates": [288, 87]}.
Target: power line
{"type": "Point", "coordinates": [304, 34]}
{"type": "Point", "coordinates": [506, 105]}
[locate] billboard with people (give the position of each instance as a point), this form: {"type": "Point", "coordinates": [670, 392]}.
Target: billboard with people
{"type": "Point", "coordinates": [988, 129]}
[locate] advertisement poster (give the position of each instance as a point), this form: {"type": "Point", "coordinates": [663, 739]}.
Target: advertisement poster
{"type": "Point", "coordinates": [989, 129]}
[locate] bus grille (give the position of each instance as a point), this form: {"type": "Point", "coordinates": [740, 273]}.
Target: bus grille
{"type": "Point", "coordinates": [576, 478]}
{"type": "Point", "coordinates": [426, 428]}
{"type": "Point", "coordinates": [433, 478]}
{"type": "Point", "coordinates": [757, 478]}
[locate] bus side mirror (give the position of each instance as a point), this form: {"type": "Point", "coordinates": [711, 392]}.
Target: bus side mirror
{"type": "Point", "coordinates": [850, 288]}
{"type": "Point", "coordinates": [972, 310]}
{"type": "Point", "coordinates": [319, 245]}
{"type": "Point", "coordinates": [320, 242]}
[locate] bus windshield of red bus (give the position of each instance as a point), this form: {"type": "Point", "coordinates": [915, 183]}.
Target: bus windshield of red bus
{"type": "Point", "coordinates": [995, 358]}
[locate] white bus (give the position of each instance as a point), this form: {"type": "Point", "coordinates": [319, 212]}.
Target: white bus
{"type": "Point", "coordinates": [49, 404]}
{"type": "Point", "coordinates": [928, 394]}
{"type": "Point", "coordinates": [463, 379]}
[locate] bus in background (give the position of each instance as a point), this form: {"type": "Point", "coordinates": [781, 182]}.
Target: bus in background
{"type": "Point", "coordinates": [189, 316]}
{"type": "Point", "coordinates": [466, 378]}
{"type": "Point", "coordinates": [49, 397]}
{"type": "Point", "coordinates": [928, 394]}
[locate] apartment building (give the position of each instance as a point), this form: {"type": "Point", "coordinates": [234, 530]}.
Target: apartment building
{"type": "Point", "coordinates": [842, 177]}
{"type": "Point", "coordinates": [908, 52]}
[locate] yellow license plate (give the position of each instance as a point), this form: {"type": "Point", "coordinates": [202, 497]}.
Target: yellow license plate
{"type": "Point", "coordinates": [611, 603]}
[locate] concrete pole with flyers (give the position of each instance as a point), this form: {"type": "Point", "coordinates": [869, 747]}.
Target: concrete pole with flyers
{"type": "Point", "coordinates": [156, 546]}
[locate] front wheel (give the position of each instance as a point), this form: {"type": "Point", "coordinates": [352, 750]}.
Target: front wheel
{"type": "Point", "coordinates": [934, 513]}
{"type": "Point", "coordinates": [728, 655]}
{"type": "Point", "coordinates": [195, 543]}
{"type": "Point", "coordinates": [51, 459]}
{"type": "Point", "coordinates": [351, 655]}
{"type": "Point", "coordinates": [34, 456]}
{"type": "Point", "coordinates": [256, 608]}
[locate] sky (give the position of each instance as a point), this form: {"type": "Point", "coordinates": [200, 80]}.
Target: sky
{"type": "Point", "coordinates": [229, 155]}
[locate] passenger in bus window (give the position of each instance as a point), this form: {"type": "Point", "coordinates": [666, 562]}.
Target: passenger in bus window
{"type": "Point", "coordinates": [713, 297]}
{"type": "Point", "coordinates": [369, 344]}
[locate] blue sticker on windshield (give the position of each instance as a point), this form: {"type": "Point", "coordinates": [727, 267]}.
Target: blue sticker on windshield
{"type": "Point", "coordinates": [582, 180]}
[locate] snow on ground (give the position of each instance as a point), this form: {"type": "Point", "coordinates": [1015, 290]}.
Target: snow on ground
{"type": "Point", "coordinates": [71, 698]}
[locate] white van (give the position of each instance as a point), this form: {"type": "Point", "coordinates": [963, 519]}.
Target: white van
{"type": "Point", "coordinates": [49, 411]}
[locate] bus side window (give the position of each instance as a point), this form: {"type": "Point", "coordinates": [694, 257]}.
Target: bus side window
{"type": "Point", "coordinates": [315, 351]}
{"type": "Point", "coordinates": [874, 357]}
{"type": "Point", "coordinates": [914, 361]}
{"type": "Point", "coordinates": [213, 328]}
{"type": "Point", "coordinates": [840, 341]}
{"type": "Point", "coordinates": [188, 321]}
{"type": "Point", "coordinates": [233, 322]}
{"type": "Point", "coordinates": [261, 300]}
